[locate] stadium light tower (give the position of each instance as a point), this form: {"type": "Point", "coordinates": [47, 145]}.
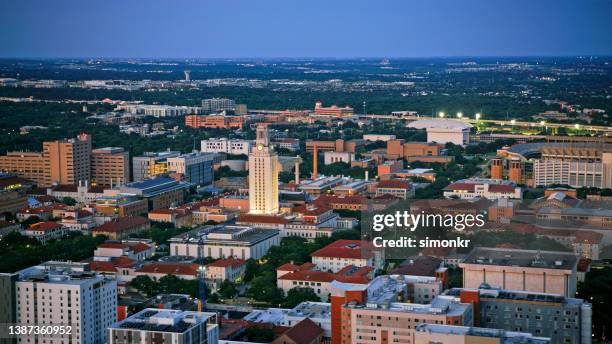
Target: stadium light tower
{"type": "Point", "coordinates": [459, 114]}
{"type": "Point", "coordinates": [202, 287]}
{"type": "Point", "coordinates": [441, 114]}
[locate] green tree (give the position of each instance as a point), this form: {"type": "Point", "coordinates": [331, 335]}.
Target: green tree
{"type": "Point", "coordinates": [263, 288]}
{"type": "Point", "coordinates": [68, 201]}
{"type": "Point", "coordinates": [145, 285]}
{"type": "Point", "coordinates": [295, 296]}
{"type": "Point", "coordinates": [227, 290]}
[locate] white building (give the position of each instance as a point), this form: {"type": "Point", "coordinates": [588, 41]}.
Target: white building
{"type": "Point", "coordinates": [160, 110]}
{"type": "Point", "coordinates": [224, 241]}
{"type": "Point", "coordinates": [318, 312]}
{"type": "Point", "coordinates": [224, 145]}
{"type": "Point", "coordinates": [263, 175]}
{"type": "Point", "coordinates": [214, 105]}
{"type": "Point", "coordinates": [444, 130]}
{"type": "Point", "coordinates": [152, 325]}
{"type": "Point", "coordinates": [577, 174]}
{"type": "Point", "coordinates": [491, 189]}
{"type": "Point", "coordinates": [60, 293]}
{"type": "Point", "coordinates": [332, 157]}
{"type": "Point", "coordinates": [341, 253]}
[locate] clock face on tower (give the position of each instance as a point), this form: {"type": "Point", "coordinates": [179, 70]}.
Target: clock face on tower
{"type": "Point", "coordinates": [260, 146]}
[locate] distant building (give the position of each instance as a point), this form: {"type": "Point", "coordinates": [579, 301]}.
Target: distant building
{"type": "Point", "coordinates": [333, 157]}
{"type": "Point", "coordinates": [434, 333]}
{"type": "Point", "coordinates": [491, 189]}
{"type": "Point", "coordinates": [401, 189]}
{"type": "Point", "coordinates": [378, 137]}
{"type": "Point", "coordinates": [332, 111]}
{"type": "Point", "coordinates": [443, 131]}
{"type": "Point", "coordinates": [219, 121]}
{"type": "Point", "coordinates": [228, 146]}
{"type": "Point", "coordinates": [214, 105]}
{"type": "Point", "coordinates": [45, 231]}
{"type": "Point", "coordinates": [165, 325]}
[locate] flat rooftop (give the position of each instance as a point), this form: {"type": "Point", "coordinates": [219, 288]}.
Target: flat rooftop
{"type": "Point", "coordinates": [165, 320]}
{"type": "Point", "coordinates": [507, 337]}
{"type": "Point", "coordinates": [518, 295]}
{"type": "Point", "coordinates": [522, 258]}
{"type": "Point", "coordinates": [226, 234]}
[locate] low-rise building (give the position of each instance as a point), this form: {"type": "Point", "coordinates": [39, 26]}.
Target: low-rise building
{"type": "Point", "coordinates": [153, 325]}
{"type": "Point", "coordinates": [177, 217]}
{"type": "Point", "coordinates": [160, 193]}
{"type": "Point", "coordinates": [401, 189]}
{"type": "Point", "coordinates": [341, 253]}
{"type": "Point", "coordinates": [224, 241]}
{"type": "Point", "coordinates": [45, 231]}
{"type": "Point", "coordinates": [333, 157]}
{"type": "Point", "coordinates": [122, 228]}
{"type": "Point", "coordinates": [491, 189]}
{"type": "Point", "coordinates": [524, 270]}
{"type": "Point", "coordinates": [228, 146]}
{"type": "Point", "coordinates": [230, 269]}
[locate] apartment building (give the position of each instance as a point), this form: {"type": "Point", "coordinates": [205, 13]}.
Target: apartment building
{"type": "Point", "coordinates": [214, 105]}
{"type": "Point", "coordinates": [60, 293]}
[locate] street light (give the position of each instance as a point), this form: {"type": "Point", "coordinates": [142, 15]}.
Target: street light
{"type": "Point", "coordinates": [441, 114]}
{"type": "Point", "coordinates": [459, 114]}
{"type": "Point", "coordinates": [513, 122]}
{"type": "Point", "coordinates": [577, 126]}
{"type": "Point", "coordinates": [477, 116]}
{"type": "Point", "coordinates": [542, 123]}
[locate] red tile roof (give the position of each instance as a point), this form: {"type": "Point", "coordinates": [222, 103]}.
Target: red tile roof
{"type": "Point", "coordinates": [170, 269]}
{"type": "Point", "coordinates": [223, 263]}
{"type": "Point", "coordinates": [350, 249]}
{"type": "Point", "coordinates": [583, 265]}
{"type": "Point", "coordinates": [394, 184]}
{"type": "Point", "coordinates": [304, 332]}
{"type": "Point", "coordinates": [328, 199]}
{"type": "Point", "coordinates": [250, 218]}
{"type": "Point", "coordinates": [460, 186]}
{"type": "Point", "coordinates": [121, 224]}
{"type": "Point", "coordinates": [112, 265]}
{"type": "Point", "coordinates": [45, 226]}
{"type": "Point", "coordinates": [311, 210]}
{"type": "Point", "coordinates": [501, 188]}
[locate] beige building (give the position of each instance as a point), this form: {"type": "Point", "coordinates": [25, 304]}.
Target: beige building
{"type": "Point", "coordinates": [523, 270]}
{"type": "Point", "coordinates": [110, 166]}
{"type": "Point", "coordinates": [29, 165]}
{"type": "Point", "coordinates": [263, 175]}
{"type": "Point", "coordinates": [61, 162]}
{"type": "Point", "coordinates": [69, 160]}
{"type": "Point", "coordinates": [447, 334]}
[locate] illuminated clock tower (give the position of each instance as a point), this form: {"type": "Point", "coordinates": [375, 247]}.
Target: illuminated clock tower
{"type": "Point", "coordinates": [263, 175]}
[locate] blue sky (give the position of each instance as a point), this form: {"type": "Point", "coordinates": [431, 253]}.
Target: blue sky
{"type": "Point", "coordinates": [306, 28]}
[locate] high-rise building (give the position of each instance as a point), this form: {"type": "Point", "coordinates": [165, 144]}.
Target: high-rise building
{"type": "Point", "coordinates": [61, 293]}
{"type": "Point", "coordinates": [217, 104]}
{"type": "Point", "coordinates": [196, 168]}
{"type": "Point", "coordinates": [69, 160]}
{"type": "Point", "coordinates": [151, 164]}
{"type": "Point", "coordinates": [61, 162]}
{"type": "Point", "coordinates": [110, 166]}
{"type": "Point", "coordinates": [263, 175]}
{"type": "Point", "coordinates": [153, 325]}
